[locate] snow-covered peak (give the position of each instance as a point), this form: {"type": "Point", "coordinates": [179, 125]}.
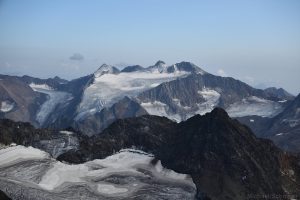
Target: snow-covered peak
{"type": "Point", "coordinates": [160, 66]}
{"type": "Point", "coordinates": [106, 69]}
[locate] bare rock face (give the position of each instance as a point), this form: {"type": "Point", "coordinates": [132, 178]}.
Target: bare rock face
{"type": "Point", "coordinates": [18, 101]}
{"type": "Point", "coordinates": [52, 141]}
{"type": "Point", "coordinates": [3, 196]}
{"type": "Point", "coordinates": [280, 93]}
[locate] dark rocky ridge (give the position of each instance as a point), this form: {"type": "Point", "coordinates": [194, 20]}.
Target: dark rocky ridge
{"type": "Point", "coordinates": [224, 157]}
{"type": "Point", "coordinates": [52, 141]}
{"type": "Point", "coordinates": [3, 196]}
{"type": "Point", "coordinates": [133, 68]}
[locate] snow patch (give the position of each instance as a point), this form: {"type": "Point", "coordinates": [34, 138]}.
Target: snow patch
{"type": "Point", "coordinates": [37, 87]}
{"type": "Point", "coordinates": [254, 106]}
{"type": "Point", "coordinates": [67, 132]}
{"type": "Point", "coordinates": [160, 109]}
{"type": "Point", "coordinates": [154, 85]}
{"type": "Point", "coordinates": [211, 98]}
{"type": "Point", "coordinates": [282, 101]}
{"type": "Point", "coordinates": [6, 106]}
{"type": "Point", "coordinates": [291, 122]}
{"type": "Point", "coordinates": [178, 103]}
{"type": "Point", "coordinates": [110, 189]}
{"type": "Point", "coordinates": [15, 154]}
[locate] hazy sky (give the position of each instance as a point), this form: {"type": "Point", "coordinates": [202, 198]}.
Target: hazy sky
{"type": "Point", "coordinates": [257, 41]}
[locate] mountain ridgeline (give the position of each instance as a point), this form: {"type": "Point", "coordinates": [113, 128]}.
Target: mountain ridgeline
{"type": "Point", "coordinates": [91, 103]}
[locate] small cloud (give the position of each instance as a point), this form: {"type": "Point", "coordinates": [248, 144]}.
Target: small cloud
{"type": "Point", "coordinates": [77, 56]}
{"type": "Point", "coordinates": [221, 72]}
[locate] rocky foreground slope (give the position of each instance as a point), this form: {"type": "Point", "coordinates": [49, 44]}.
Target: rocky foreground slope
{"type": "Point", "coordinates": [224, 158]}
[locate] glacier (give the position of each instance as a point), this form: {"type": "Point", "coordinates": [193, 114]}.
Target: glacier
{"type": "Point", "coordinates": [254, 106]}
{"type": "Point", "coordinates": [108, 89]}
{"type": "Point", "coordinates": [29, 173]}
{"type": "Point", "coordinates": [54, 98]}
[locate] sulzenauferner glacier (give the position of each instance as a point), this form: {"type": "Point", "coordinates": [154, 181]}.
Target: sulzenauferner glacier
{"type": "Point", "coordinates": [29, 173]}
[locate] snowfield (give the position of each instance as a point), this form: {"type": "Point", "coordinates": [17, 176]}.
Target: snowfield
{"type": "Point", "coordinates": [211, 99]}
{"type": "Point", "coordinates": [160, 109]}
{"type": "Point", "coordinates": [254, 106]}
{"type": "Point", "coordinates": [248, 106]}
{"type": "Point", "coordinates": [127, 161]}
{"type": "Point", "coordinates": [15, 154]}
{"type": "Point", "coordinates": [107, 89]}
{"type": "Point", "coordinates": [122, 175]}
{"type": "Point", "coordinates": [54, 98]}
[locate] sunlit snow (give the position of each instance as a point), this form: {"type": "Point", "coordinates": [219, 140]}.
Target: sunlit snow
{"type": "Point", "coordinates": [211, 99]}
{"type": "Point", "coordinates": [107, 89]}
{"type": "Point", "coordinates": [160, 109]}
{"type": "Point", "coordinates": [14, 154]}
{"type": "Point", "coordinates": [6, 106]}
{"type": "Point", "coordinates": [254, 106]}
{"type": "Point", "coordinates": [131, 167]}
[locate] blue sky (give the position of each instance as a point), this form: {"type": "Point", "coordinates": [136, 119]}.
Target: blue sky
{"type": "Point", "coordinates": [255, 41]}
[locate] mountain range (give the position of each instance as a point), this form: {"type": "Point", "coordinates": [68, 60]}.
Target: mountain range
{"type": "Point", "coordinates": [91, 103]}
{"type": "Point", "coordinates": [161, 132]}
